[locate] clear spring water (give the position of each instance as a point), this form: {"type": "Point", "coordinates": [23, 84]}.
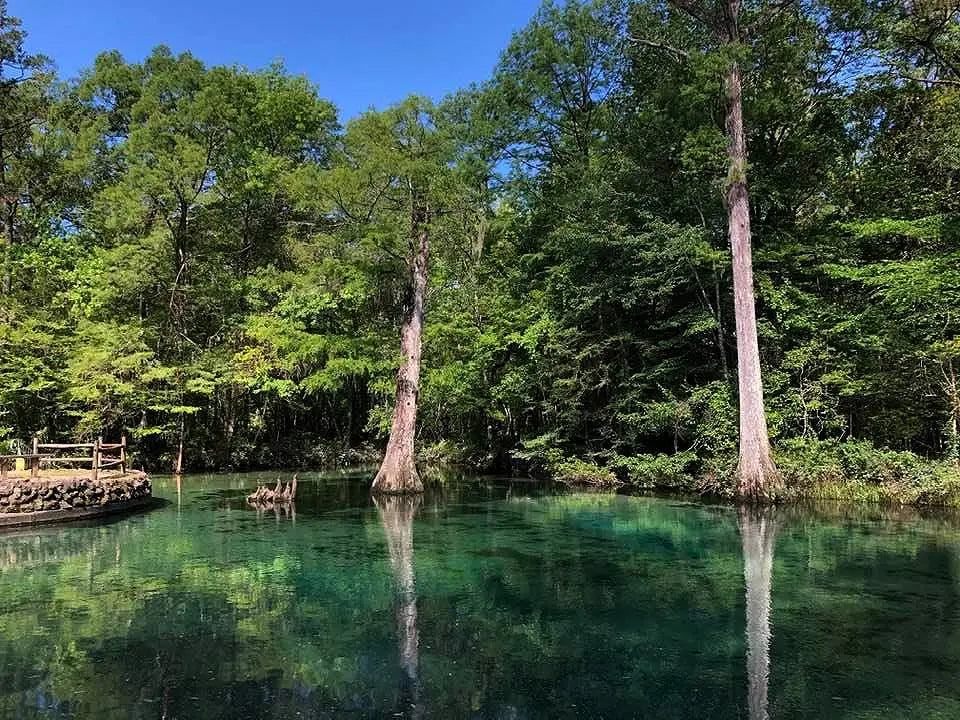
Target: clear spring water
{"type": "Point", "coordinates": [483, 600]}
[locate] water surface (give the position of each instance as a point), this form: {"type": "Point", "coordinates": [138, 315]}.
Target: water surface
{"type": "Point", "coordinates": [484, 600]}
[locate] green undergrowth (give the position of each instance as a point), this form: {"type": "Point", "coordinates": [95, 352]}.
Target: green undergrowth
{"type": "Point", "coordinates": [542, 456]}
{"type": "Point", "coordinates": [856, 470]}
{"type": "Point", "coordinates": [658, 471]}
{"type": "Point", "coordinates": [574, 471]}
{"type": "Point", "coordinates": [444, 453]}
{"type": "Point", "coordinates": [853, 470]}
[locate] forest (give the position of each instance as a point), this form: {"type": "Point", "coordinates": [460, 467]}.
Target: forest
{"type": "Point", "coordinates": [211, 260]}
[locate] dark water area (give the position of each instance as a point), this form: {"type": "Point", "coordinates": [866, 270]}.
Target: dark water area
{"type": "Point", "coordinates": [484, 599]}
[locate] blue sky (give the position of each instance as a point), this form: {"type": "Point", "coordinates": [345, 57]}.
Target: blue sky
{"type": "Point", "coordinates": [360, 53]}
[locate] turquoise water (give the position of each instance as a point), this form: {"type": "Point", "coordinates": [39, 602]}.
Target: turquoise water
{"type": "Point", "coordinates": [484, 600]}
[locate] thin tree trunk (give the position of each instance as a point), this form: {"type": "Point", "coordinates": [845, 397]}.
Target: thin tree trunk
{"type": "Point", "coordinates": [721, 331]}
{"type": "Point", "coordinates": [756, 472]}
{"type": "Point", "coordinates": [398, 472]}
{"type": "Point", "coordinates": [178, 465]}
{"type": "Point", "coordinates": [953, 396]}
{"type": "Point", "coordinates": [758, 535]}
{"type": "Point", "coordinates": [6, 274]}
{"type": "Point", "coordinates": [230, 410]}
{"type": "Point", "coordinates": [718, 318]}
{"type": "Point", "coordinates": [6, 283]}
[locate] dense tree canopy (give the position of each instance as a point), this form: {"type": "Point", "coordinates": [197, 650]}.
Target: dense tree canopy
{"type": "Point", "coordinates": [204, 257]}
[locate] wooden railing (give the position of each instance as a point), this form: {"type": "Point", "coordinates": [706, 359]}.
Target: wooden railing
{"type": "Point", "coordinates": [99, 456]}
{"type": "Point", "coordinates": [8, 462]}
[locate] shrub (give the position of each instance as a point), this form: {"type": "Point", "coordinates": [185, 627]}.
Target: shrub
{"type": "Point", "coordinates": [581, 472]}
{"type": "Point", "coordinates": [855, 469]}
{"type": "Point", "coordinates": [658, 471]}
{"type": "Point", "coordinates": [543, 456]}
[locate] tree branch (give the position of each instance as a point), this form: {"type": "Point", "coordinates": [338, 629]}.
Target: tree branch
{"type": "Point", "coordinates": [932, 81]}
{"type": "Point", "coordinates": [698, 12]}
{"type": "Point", "coordinates": [678, 54]}
{"type": "Point", "coordinates": [768, 14]}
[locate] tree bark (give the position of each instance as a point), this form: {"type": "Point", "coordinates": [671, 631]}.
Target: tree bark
{"type": "Point", "coordinates": [396, 515]}
{"type": "Point", "coordinates": [398, 471]}
{"type": "Point", "coordinates": [758, 535]}
{"type": "Point", "coordinates": [757, 474]}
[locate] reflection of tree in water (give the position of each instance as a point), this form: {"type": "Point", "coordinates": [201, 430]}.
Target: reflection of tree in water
{"type": "Point", "coordinates": [758, 532]}
{"type": "Point", "coordinates": [396, 515]}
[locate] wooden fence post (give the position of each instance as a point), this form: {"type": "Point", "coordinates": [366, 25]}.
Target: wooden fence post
{"type": "Point", "coordinates": [95, 462]}
{"type": "Point", "coordinates": [35, 459]}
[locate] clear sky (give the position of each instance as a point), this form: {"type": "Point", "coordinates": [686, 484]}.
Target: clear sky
{"type": "Point", "coordinates": [360, 53]}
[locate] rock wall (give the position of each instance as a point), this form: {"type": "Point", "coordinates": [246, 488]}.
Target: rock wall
{"type": "Point", "coordinates": [22, 495]}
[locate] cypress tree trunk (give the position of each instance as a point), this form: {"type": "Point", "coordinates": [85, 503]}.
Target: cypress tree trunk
{"type": "Point", "coordinates": [757, 475]}
{"type": "Point", "coordinates": [398, 471]}
{"type": "Point", "coordinates": [756, 472]}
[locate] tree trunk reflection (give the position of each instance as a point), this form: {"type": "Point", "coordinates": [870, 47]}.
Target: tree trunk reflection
{"type": "Point", "coordinates": [758, 533]}
{"type": "Point", "coordinates": [396, 515]}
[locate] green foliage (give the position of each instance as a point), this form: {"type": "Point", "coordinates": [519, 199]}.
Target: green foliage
{"type": "Point", "coordinates": [543, 455]}
{"type": "Point", "coordinates": [659, 471]}
{"type": "Point", "coordinates": [31, 369]}
{"type": "Point", "coordinates": [581, 472]}
{"type": "Point", "coordinates": [203, 254]}
{"type": "Point", "coordinates": [832, 469]}
{"type": "Point", "coordinates": [110, 377]}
